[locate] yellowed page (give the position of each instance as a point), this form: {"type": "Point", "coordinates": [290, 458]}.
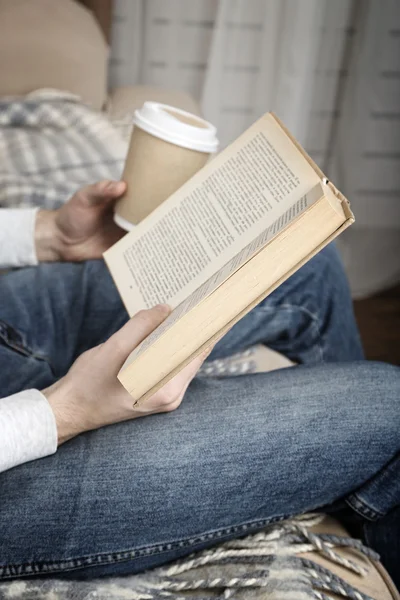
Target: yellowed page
{"type": "Point", "coordinates": [209, 286]}
{"type": "Point", "coordinates": [211, 219]}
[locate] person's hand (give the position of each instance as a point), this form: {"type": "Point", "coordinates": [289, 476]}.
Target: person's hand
{"type": "Point", "coordinates": [83, 228]}
{"type": "Point", "coordinates": [91, 396]}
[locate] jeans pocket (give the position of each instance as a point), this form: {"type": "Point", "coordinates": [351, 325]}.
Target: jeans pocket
{"type": "Point", "coordinates": [13, 339]}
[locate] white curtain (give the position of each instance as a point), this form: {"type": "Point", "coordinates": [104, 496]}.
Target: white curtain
{"type": "Point", "coordinates": [331, 71]}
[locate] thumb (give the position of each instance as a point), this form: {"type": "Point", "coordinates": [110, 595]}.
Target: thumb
{"type": "Point", "coordinates": [101, 192]}
{"type": "Point", "coordinates": [191, 369]}
{"type": "Point", "coordinates": [124, 341]}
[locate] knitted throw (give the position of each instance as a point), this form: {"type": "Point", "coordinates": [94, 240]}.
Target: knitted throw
{"type": "Point", "coordinates": [260, 566]}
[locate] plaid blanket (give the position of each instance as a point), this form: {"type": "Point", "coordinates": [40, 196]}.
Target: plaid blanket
{"type": "Point", "coordinates": [50, 145]}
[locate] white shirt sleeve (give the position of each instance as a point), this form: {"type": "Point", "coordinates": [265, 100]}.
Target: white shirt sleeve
{"type": "Point", "coordinates": [27, 429]}
{"type": "Point", "coordinates": [17, 237]}
{"type": "Point", "coordinates": [27, 425]}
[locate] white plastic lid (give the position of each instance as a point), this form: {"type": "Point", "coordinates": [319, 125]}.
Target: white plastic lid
{"type": "Point", "coordinates": [123, 223]}
{"type": "Point", "coordinates": [159, 120]}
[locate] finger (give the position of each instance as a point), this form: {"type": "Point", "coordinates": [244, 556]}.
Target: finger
{"type": "Point", "coordinates": [206, 353]}
{"type": "Point", "coordinates": [102, 192]}
{"type": "Point", "coordinates": [176, 387]}
{"type": "Point", "coordinates": [182, 381]}
{"type": "Point", "coordinates": [124, 341]}
{"type": "Point", "coordinates": [185, 376]}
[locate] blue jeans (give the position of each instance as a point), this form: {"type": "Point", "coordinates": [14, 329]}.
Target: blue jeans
{"type": "Point", "coordinates": [239, 453]}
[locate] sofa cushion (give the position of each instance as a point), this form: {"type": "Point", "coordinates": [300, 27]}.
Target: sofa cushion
{"type": "Point", "coordinates": [52, 44]}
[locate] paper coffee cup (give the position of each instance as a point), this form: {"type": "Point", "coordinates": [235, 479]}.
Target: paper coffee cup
{"type": "Point", "coordinates": [167, 147]}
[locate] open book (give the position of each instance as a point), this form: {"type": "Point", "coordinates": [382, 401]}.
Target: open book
{"type": "Point", "coordinates": [225, 240]}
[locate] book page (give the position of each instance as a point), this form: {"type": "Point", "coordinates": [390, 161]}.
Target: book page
{"type": "Point", "coordinates": [209, 220]}
{"type": "Point", "coordinates": [209, 286]}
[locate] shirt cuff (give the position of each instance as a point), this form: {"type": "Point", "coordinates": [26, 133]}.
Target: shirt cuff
{"type": "Point", "coordinates": [28, 429]}
{"type": "Point", "coordinates": [17, 237]}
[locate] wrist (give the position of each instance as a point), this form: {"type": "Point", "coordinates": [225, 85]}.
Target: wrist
{"type": "Point", "coordinates": [66, 413]}
{"type": "Point", "coordinates": [48, 242]}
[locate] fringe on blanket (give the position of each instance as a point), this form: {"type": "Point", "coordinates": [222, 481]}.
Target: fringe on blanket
{"type": "Point", "coordinates": [261, 566]}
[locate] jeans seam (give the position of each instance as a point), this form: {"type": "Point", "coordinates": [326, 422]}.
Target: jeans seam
{"type": "Point", "coordinates": [313, 318]}
{"type": "Point", "coordinates": [362, 509]}
{"type": "Point", "coordinates": [10, 571]}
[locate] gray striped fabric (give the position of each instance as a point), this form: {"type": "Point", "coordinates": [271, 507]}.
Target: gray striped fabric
{"type": "Point", "coordinates": [50, 145]}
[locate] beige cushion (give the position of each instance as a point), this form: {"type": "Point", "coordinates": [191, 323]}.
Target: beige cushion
{"type": "Point", "coordinates": [51, 44]}
{"type": "Point", "coordinates": [376, 582]}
